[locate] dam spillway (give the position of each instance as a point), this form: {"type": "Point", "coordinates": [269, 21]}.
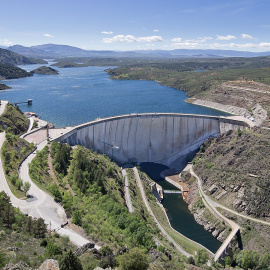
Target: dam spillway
{"type": "Point", "coordinates": [150, 137]}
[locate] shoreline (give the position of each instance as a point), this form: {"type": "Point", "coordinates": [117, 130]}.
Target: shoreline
{"type": "Point", "coordinates": [254, 118]}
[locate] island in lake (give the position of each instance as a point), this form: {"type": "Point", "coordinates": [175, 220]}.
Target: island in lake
{"type": "Point", "coordinates": [45, 71]}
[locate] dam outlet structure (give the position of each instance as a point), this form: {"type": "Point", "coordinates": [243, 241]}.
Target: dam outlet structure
{"type": "Point", "coordinates": [162, 138]}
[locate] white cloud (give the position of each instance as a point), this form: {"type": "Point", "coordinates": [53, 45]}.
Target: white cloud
{"type": "Point", "coordinates": [7, 42]}
{"type": "Point", "coordinates": [228, 37]}
{"type": "Point", "coordinates": [130, 38]}
{"type": "Point", "coordinates": [178, 39]}
{"type": "Point", "coordinates": [107, 32]}
{"type": "Point", "coordinates": [199, 39]}
{"type": "Point", "coordinates": [48, 35]}
{"type": "Point", "coordinates": [245, 36]}
{"type": "Point", "coordinates": [155, 30]}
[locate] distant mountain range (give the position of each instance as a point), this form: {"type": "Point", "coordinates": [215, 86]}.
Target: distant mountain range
{"type": "Point", "coordinates": [48, 51]}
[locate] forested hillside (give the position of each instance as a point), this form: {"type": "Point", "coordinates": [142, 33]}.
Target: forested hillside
{"type": "Point", "coordinates": [11, 72]}
{"type": "Point", "coordinates": [12, 58]}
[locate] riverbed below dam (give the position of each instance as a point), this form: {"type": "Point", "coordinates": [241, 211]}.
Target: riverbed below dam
{"type": "Point", "coordinates": [177, 210]}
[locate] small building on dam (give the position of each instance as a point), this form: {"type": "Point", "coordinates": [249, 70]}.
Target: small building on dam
{"type": "Point", "coordinates": [151, 137]}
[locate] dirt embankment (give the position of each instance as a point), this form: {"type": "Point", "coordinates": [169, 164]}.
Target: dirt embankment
{"type": "Point", "coordinates": [234, 169]}
{"type": "Point", "coordinates": [246, 98]}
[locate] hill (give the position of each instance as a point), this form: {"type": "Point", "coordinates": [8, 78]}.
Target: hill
{"type": "Point", "coordinates": [12, 58]}
{"type": "Point", "coordinates": [59, 51]}
{"type": "Point", "coordinates": [3, 86]}
{"type": "Point", "coordinates": [45, 71]}
{"type": "Point", "coordinates": [234, 169]}
{"type": "Point", "coordinates": [12, 72]}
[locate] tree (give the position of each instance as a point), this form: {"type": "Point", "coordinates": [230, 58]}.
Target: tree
{"type": "Point", "coordinates": [201, 257]}
{"type": "Point", "coordinates": [55, 192]}
{"type": "Point", "coordinates": [53, 249]}
{"type": "Point", "coordinates": [108, 258]}
{"type": "Point", "coordinates": [39, 228]}
{"type": "Point", "coordinates": [77, 217]}
{"type": "Point", "coordinates": [26, 187]}
{"type": "Point", "coordinates": [136, 259]}
{"type": "Point", "coordinates": [248, 259]}
{"type": "Point", "coordinates": [265, 262]}
{"type": "Point", "coordinates": [69, 261]}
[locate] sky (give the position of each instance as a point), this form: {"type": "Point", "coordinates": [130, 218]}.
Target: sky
{"type": "Point", "coordinates": [242, 25]}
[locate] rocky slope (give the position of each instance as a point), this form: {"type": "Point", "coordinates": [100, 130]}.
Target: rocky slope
{"type": "Point", "coordinates": [201, 214]}
{"type": "Point", "coordinates": [235, 170]}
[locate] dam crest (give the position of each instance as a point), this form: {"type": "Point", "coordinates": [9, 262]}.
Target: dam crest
{"type": "Point", "coordinates": [162, 138]}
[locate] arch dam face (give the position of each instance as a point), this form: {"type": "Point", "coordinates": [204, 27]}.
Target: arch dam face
{"type": "Point", "coordinates": [151, 137]}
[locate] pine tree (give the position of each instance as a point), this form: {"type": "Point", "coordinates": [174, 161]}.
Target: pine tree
{"type": "Point", "coordinates": [69, 261]}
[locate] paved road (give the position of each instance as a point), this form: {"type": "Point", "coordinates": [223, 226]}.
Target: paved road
{"type": "Point", "coordinates": [211, 205]}
{"type": "Point", "coordinates": [3, 106]}
{"type": "Point", "coordinates": [127, 195]}
{"type": "Point", "coordinates": [30, 124]}
{"type": "Point", "coordinates": [218, 205]}
{"type": "Point", "coordinates": [41, 204]}
{"type": "Point", "coordinates": [182, 251]}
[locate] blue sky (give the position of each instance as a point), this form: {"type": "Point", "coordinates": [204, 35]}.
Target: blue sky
{"type": "Point", "coordinates": [140, 24]}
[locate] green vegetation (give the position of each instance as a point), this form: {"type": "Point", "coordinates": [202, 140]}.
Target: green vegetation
{"type": "Point", "coordinates": [19, 232]}
{"type": "Point", "coordinates": [13, 120]}
{"type": "Point", "coordinates": [160, 215]}
{"type": "Point", "coordinates": [195, 83]}
{"type": "Point", "coordinates": [135, 259]}
{"type": "Point", "coordinates": [98, 205]}
{"type": "Point", "coordinates": [12, 58]}
{"type": "Point", "coordinates": [70, 262]}
{"type": "Point", "coordinates": [38, 169]}
{"type": "Point", "coordinates": [12, 72]}
{"type": "Point", "coordinates": [14, 150]}
{"type": "Point", "coordinates": [45, 71]}
{"type": "Point", "coordinates": [4, 87]}
{"type": "Point", "coordinates": [232, 159]}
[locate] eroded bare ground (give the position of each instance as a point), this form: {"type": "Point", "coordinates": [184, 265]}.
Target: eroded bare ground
{"type": "Point", "coordinates": [244, 94]}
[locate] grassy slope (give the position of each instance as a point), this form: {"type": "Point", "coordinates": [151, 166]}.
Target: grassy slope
{"type": "Point", "coordinates": [101, 206]}
{"type": "Point", "coordinates": [13, 121]}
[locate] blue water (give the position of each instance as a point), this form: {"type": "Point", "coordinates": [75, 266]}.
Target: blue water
{"type": "Point", "coordinates": [80, 95]}
{"type": "Point", "coordinates": [177, 210]}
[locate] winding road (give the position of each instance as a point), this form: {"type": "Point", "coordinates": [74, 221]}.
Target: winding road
{"type": "Point", "coordinates": [212, 206]}
{"type": "Point", "coordinates": [40, 204]}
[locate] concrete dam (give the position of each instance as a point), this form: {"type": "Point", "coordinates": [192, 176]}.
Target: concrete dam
{"type": "Point", "coordinates": [150, 137]}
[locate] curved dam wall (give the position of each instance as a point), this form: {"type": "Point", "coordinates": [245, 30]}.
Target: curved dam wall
{"type": "Point", "coordinates": [160, 138]}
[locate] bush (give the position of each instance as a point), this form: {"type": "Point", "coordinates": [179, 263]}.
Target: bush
{"type": "Point", "coordinates": [69, 261]}
{"type": "Point", "coordinates": [136, 259]}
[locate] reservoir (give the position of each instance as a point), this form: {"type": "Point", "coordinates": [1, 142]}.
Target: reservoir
{"type": "Point", "coordinates": [79, 95]}
{"type": "Point", "coordinates": [83, 94]}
